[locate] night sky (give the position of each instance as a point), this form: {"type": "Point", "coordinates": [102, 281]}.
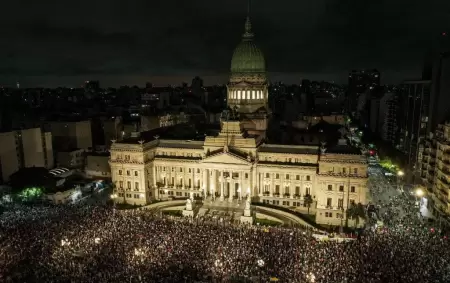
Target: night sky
{"type": "Point", "coordinates": [51, 43]}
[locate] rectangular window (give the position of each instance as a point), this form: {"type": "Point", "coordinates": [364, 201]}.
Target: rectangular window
{"type": "Point", "coordinates": [121, 184]}
{"type": "Point", "coordinates": [297, 177]}
{"type": "Point", "coordinates": [267, 175]}
{"type": "Point", "coordinates": [287, 176]}
{"type": "Point", "coordinates": [181, 169]}
{"type": "Point", "coordinates": [329, 202]}
{"type": "Point", "coordinates": [135, 173]}
{"type": "Point", "coordinates": [246, 175]}
{"type": "Point", "coordinates": [136, 186]}
{"type": "Point", "coordinates": [355, 170]}
{"type": "Point", "coordinates": [120, 172]}
{"type": "Point", "coordinates": [297, 190]}
{"type": "Point", "coordinates": [128, 173]}
{"type": "Point", "coordinates": [352, 189]}
{"type": "Point", "coordinates": [340, 203]}
{"type": "Point", "coordinates": [344, 170]}
{"type": "Point", "coordinates": [189, 170]}
{"type": "Point", "coordinates": [277, 176]}
{"type": "Point", "coordinates": [286, 189]}
{"type": "Point", "coordinates": [330, 187]}
{"type": "Point", "coordinates": [308, 178]}
{"type": "Point", "coordinates": [341, 188]}
{"type": "Point", "coordinates": [277, 189]}
{"type": "Point", "coordinates": [129, 185]}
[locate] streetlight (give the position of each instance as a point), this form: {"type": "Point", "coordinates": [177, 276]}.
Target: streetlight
{"type": "Point", "coordinates": [400, 174]}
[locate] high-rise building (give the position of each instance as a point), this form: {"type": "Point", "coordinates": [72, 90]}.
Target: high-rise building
{"type": "Point", "coordinates": [435, 172]}
{"type": "Point", "coordinates": [388, 116]}
{"type": "Point", "coordinates": [440, 98]}
{"type": "Point", "coordinates": [414, 98]}
{"type": "Point", "coordinates": [25, 148]}
{"type": "Point", "coordinates": [69, 135]}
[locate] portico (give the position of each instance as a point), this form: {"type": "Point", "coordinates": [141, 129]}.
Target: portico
{"type": "Point", "coordinates": [229, 176]}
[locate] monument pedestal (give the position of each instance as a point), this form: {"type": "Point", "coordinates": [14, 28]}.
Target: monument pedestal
{"type": "Point", "coordinates": [246, 220]}
{"type": "Point", "coordinates": [247, 217]}
{"type": "Point", "coordinates": [188, 213]}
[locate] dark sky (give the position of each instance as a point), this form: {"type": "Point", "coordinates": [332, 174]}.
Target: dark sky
{"type": "Point", "coordinates": [50, 43]}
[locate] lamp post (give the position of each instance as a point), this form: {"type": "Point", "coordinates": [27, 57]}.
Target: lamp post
{"type": "Point", "coordinates": [399, 177]}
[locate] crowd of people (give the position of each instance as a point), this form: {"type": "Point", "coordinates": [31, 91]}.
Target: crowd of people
{"type": "Point", "coordinates": [100, 244]}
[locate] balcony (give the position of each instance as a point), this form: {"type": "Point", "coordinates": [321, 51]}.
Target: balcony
{"type": "Point", "coordinates": [444, 181]}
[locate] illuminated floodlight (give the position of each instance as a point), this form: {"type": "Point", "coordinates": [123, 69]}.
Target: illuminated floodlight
{"type": "Point", "coordinates": [400, 173]}
{"type": "Point", "coordinates": [419, 192]}
{"type": "Point", "coordinates": [260, 262]}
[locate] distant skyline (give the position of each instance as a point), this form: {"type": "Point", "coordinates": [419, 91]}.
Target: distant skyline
{"type": "Point", "coordinates": [56, 43]}
{"type": "Point", "coordinates": [140, 80]}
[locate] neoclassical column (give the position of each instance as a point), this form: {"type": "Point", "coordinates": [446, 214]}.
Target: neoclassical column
{"type": "Point", "coordinates": [272, 186]}
{"type": "Point", "coordinates": [213, 182]}
{"type": "Point", "coordinates": [254, 182]}
{"type": "Point", "coordinates": [205, 181]}
{"type": "Point", "coordinates": [154, 175]}
{"type": "Point", "coordinates": [222, 181]}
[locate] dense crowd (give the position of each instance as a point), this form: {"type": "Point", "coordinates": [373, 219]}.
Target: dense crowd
{"type": "Point", "coordinates": [98, 244]}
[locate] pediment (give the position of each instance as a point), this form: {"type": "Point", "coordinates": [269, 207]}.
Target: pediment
{"type": "Point", "coordinates": [242, 84]}
{"type": "Point", "coordinates": [226, 158]}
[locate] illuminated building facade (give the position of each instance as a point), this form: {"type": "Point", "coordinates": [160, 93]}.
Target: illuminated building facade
{"type": "Point", "coordinates": [237, 162]}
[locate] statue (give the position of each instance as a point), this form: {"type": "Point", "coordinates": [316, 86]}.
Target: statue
{"type": "Point", "coordinates": [191, 196]}
{"type": "Point", "coordinates": [248, 203]}
{"type": "Point", "coordinates": [189, 204]}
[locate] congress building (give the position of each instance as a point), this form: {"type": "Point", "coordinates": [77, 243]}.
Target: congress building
{"type": "Point", "coordinates": [238, 161]}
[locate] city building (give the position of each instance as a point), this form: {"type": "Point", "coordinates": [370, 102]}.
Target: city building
{"type": "Point", "coordinates": [164, 120]}
{"type": "Point", "coordinates": [97, 166]}
{"type": "Point", "coordinates": [74, 158]}
{"type": "Point", "coordinates": [440, 89]}
{"type": "Point", "coordinates": [414, 96]}
{"type": "Point", "coordinates": [23, 149]}
{"type": "Point", "coordinates": [388, 117]}
{"type": "Point", "coordinates": [435, 172]}
{"type": "Point", "coordinates": [71, 134]}
{"type": "Point", "coordinates": [237, 162]}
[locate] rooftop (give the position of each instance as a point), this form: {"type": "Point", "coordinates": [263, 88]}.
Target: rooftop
{"type": "Point", "coordinates": [344, 149]}
{"type": "Point", "coordinates": [295, 149]}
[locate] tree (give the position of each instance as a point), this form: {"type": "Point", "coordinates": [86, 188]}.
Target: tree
{"type": "Point", "coordinates": [308, 201]}
{"type": "Point", "coordinates": [355, 211]}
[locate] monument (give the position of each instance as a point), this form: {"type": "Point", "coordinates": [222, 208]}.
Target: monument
{"type": "Point", "coordinates": [188, 211]}
{"type": "Point", "coordinates": [247, 218]}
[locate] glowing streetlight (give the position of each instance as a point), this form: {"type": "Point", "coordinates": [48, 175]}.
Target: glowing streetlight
{"type": "Point", "coordinates": [419, 192]}
{"type": "Point", "coordinates": [113, 196]}
{"type": "Point", "coordinates": [400, 173]}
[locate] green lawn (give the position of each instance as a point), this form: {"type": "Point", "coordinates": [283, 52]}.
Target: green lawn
{"type": "Point", "coordinates": [267, 222]}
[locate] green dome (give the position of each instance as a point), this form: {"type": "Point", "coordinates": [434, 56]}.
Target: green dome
{"type": "Point", "coordinates": [247, 57]}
